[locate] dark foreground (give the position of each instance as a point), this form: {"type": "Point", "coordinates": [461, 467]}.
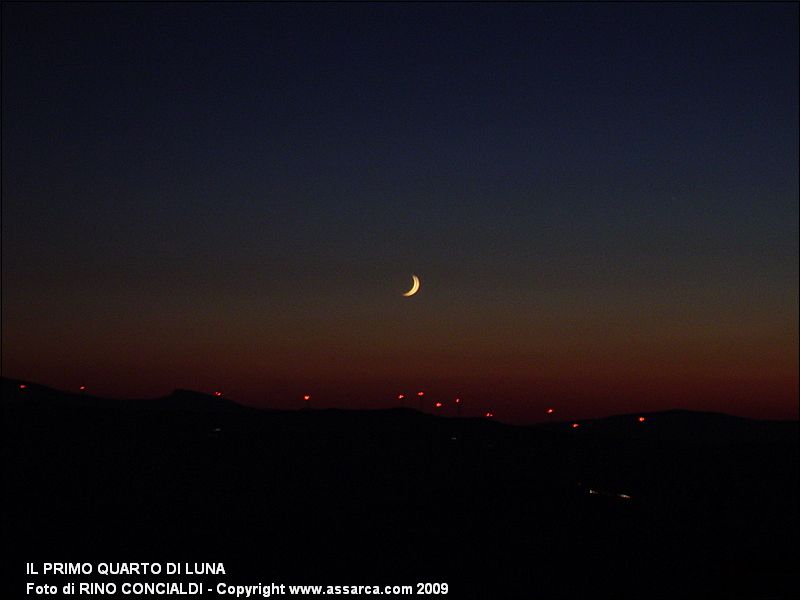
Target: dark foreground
{"type": "Point", "coordinates": [684, 504]}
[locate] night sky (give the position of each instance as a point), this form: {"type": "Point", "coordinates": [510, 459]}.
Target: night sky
{"type": "Point", "coordinates": [601, 202]}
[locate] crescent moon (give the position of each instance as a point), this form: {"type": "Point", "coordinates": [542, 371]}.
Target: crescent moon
{"type": "Point", "coordinates": [414, 287]}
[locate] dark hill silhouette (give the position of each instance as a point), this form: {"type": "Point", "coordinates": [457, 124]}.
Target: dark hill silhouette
{"type": "Point", "coordinates": [687, 426]}
{"type": "Point", "coordinates": [185, 400]}
{"type": "Point", "coordinates": [684, 504]}
{"type": "Point", "coordinates": [697, 427]}
{"type": "Point", "coordinates": [188, 400]}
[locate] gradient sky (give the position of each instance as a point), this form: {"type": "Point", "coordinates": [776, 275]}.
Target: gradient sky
{"type": "Point", "coordinates": [601, 202]}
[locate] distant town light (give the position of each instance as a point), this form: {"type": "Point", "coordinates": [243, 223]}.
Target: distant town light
{"type": "Point", "coordinates": [488, 414]}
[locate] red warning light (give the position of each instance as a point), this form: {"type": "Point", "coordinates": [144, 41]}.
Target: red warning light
{"type": "Point", "coordinates": [400, 396]}
{"type": "Point", "coordinates": [420, 393]}
{"type": "Point", "coordinates": [458, 400]}
{"type": "Point", "coordinates": [438, 405]}
{"type": "Point", "coordinates": [82, 388]}
{"type": "Point", "coordinates": [22, 386]}
{"type": "Point", "coordinates": [642, 419]}
{"type": "Point", "coordinates": [488, 414]}
{"type": "Point", "coordinates": [576, 425]}
{"type": "Point", "coordinates": [550, 411]}
{"type": "Point", "coordinates": [218, 394]}
{"type": "Point", "coordinates": [306, 397]}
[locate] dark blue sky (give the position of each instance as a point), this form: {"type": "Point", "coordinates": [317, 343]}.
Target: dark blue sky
{"type": "Point", "coordinates": [601, 201]}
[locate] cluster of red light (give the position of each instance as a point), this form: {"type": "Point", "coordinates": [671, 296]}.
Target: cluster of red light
{"type": "Point", "coordinates": [307, 397]}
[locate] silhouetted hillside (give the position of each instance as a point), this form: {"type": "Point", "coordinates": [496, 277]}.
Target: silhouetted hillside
{"type": "Point", "coordinates": [41, 396]}
{"type": "Point", "coordinates": [680, 504]}
{"type": "Point", "coordinates": [686, 426]}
